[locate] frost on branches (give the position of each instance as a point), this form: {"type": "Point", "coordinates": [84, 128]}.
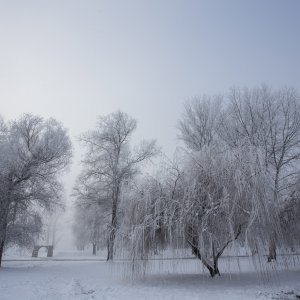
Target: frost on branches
{"type": "Point", "coordinates": [33, 152]}
{"type": "Point", "coordinates": [234, 184]}
{"type": "Point", "coordinates": [215, 200]}
{"type": "Point", "coordinates": [237, 183]}
{"type": "Point", "coordinates": [108, 166]}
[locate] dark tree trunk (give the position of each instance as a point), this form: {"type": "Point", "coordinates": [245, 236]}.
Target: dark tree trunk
{"type": "Point", "coordinates": [110, 245]}
{"type": "Point", "coordinates": [2, 240]}
{"type": "Point", "coordinates": [112, 236]}
{"type": "Point", "coordinates": [3, 228]}
{"type": "Point", "coordinates": [94, 249]}
{"type": "Point", "coordinates": [272, 242]}
{"type": "Point", "coordinates": [216, 267]}
{"type": "Point", "coordinates": [212, 268]}
{"type": "Point", "coordinates": [108, 250]}
{"type": "Point", "coordinates": [272, 250]}
{"type": "Point", "coordinates": [1, 251]}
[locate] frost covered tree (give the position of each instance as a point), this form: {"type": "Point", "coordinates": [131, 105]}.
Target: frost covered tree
{"type": "Point", "coordinates": [89, 227]}
{"type": "Point", "coordinates": [199, 121]}
{"type": "Point", "coordinates": [24, 228]}
{"type": "Point", "coordinates": [227, 199]}
{"type": "Point", "coordinates": [92, 212]}
{"type": "Point", "coordinates": [110, 163]}
{"type": "Point", "coordinates": [238, 183]}
{"type": "Point", "coordinates": [215, 199]}
{"type": "Point", "coordinates": [289, 219]}
{"type": "Point", "coordinates": [51, 226]}
{"type": "Point", "coordinates": [269, 120]}
{"type": "Point", "coordinates": [33, 152]}
{"type": "Point", "coordinates": [145, 215]}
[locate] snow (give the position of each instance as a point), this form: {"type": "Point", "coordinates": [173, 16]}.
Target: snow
{"type": "Point", "coordinates": [168, 279]}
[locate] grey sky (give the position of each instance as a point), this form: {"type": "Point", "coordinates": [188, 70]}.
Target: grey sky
{"type": "Point", "coordinates": [74, 60]}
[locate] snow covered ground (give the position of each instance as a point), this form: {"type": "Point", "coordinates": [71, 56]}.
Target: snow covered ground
{"type": "Point", "coordinates": [170, 279]}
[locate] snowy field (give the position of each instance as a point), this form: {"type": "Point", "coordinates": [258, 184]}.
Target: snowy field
{"type": "Point", "coordinates": [171, 279]}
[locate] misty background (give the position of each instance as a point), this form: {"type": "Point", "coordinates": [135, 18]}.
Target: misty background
{"type": "Point", "coordinates": [76, 60]}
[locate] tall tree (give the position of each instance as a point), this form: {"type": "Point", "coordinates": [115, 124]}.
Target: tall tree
{"type": "Point", "coordinates": [109, 162]}
{"type": "Point", "coordinates": [32, 155]}
{"type": "Point", "coordinates": [270, 120]}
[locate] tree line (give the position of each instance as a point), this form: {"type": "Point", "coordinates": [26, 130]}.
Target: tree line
{"type": "Point", "coordinates": [235, 182]}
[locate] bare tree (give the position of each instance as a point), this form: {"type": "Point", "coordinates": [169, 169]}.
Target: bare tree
{"type": "Point", "coordinates": [198, 124]}
{"type": "Point", "coordinates": [227, 199]}
{"type": "Point", "coordinates": [109, 162]}
{"type": "Point", "coordinates": [217, 198]}
{"type": "Point", "coordinates": [33, 152]}
{"type": "Point", "coordinates": [89, 227]}
{"type": "Point", "coordinates": [51, 226]}
{"type": "Point", "coordinates": [289, 219]}
{"type": "Point", "coordinates": [269, 120]}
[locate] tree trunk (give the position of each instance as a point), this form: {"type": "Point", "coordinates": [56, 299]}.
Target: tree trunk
{"type": "Point", "coordinates": [212, 268]}
{"type": "Point", "coordinates": [1, 251]}
{"type": "Point", "coordinates": [215, 261]}
{"type": "Point", "coordinates": [216, 267]}
{"type": "Point", "coordinates": [112, 235]}
{"type": "Point", "coordinates": [110, 245]}
{"type": "Point", "coordinates": [272, 243]}
{"type": "Point", "coordinates": [94, 249]}
{"type": "Point", "coordinates": [3, 228]}
{"type": "Point", "coordinates": [2, 242]}
{"type": "Point", "coordinates": [272, 250]}
{"type": "Point", "coordinates": [108, 250]}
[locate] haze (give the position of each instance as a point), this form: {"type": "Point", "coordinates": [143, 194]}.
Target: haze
{"type": "Point", "coordinates": [76, 60]}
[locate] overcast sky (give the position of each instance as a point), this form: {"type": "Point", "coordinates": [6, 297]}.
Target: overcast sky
{"type": "Point", "coordinates": [74, 60]}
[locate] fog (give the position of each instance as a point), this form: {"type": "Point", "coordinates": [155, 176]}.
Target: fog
{"type": "Point", "coordinates": [76, 60]}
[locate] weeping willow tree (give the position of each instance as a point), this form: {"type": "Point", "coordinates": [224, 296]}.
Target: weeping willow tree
{"type": "Point", "coordinates": [267, 119]}
{"type": "Point", "coordinates": [214, 200]}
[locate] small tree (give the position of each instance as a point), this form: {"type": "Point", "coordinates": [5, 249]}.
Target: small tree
{"type": "Point", "coordinates": [89, 226]}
